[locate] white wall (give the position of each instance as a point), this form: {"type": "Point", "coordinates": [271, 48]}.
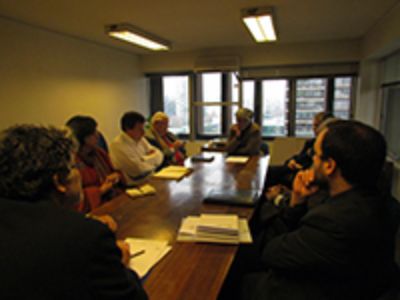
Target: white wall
{"type": "Point", "coordinates": [381, 40]}
{"type": "Point", "coordinates": [263, 55]}
{"type": "Point", "coordinates": [47, 77]}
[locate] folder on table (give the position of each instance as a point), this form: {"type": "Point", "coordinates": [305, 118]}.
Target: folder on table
{"type": "Point", "coordinates": [232, 197]}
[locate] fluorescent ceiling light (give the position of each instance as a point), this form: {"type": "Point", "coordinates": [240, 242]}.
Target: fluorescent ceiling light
{"type": "Point", "coordinates": [260, 23]}
{"type": "Point", "coordinates": [134, 35]}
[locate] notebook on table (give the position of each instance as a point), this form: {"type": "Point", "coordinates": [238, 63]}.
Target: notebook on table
{"type": "Point", "coordinates": [232, 197]}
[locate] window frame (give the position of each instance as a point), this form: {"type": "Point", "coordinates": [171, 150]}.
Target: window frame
{"type": "Point", "coordinates": [195, 103]}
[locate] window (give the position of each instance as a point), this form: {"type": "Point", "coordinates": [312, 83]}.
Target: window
{"type": "Point", "coordinates": [282, 107]}
{"type": "Point", "coordinates": [310, 99]}
{"type": "Point", "coordinates": [248, 94]}
{"type": "Point", "coordinates": [211, 97]}
{"type": "Point", "coordinates": [275, 99]}
{"type": "Point", "coordinates": [342, 98]}
{"type": "Point", "coordinates": [176, 102]}
{"type": "Point", "coordinates": [390, 119]}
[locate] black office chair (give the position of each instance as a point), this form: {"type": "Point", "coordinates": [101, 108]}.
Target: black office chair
{"type": "Point", "coordinates": [264, 148]}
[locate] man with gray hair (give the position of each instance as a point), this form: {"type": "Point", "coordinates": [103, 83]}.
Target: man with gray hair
{"type": "Point", "coordinates": [244, 136]}
{"type": "Point", "coordinates": [48, 251]}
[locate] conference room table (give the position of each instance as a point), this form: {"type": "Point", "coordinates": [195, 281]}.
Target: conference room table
{"type": "Point", "coordinates": [191, 270]}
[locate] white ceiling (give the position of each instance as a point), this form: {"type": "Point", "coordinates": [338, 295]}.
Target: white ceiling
{"type": "Point", "coordinates": [199, 24]}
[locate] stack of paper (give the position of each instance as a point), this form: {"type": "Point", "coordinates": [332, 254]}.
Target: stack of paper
{"type": "Point", "coordinates": [218, 227]}
{"type": "Point", "coordinates": [172, 172]}
{"type": "Point", "coordinates": [214, 228]}
{"type": "Point", "coordinates": [139, 191]}
{"type": "Point", "coordinates": [237, 159]}
{"type": "Point", "coordinates": [146, 254]}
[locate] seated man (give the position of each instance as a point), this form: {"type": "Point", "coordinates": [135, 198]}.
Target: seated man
{"type": "Point", "coordinates": [159, 136]}
{"type": "Point", "coordinates": [343, 247]}
{"type": "Point", "coordinates": [131, 153]}
{"type": "Point", "coordinates": [49, 252]}
{"type": "Point", "coordinates": [284, 174]}
{"type": "Point", "coordinates": [245, 136]}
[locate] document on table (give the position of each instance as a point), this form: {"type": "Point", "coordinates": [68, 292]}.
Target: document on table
{"type": "Point", "coordinates": [214, 229]}
{"type": "Point", "coordinates": [172, 172]}
{"type": "Point", "coordinates": [150, 253]}
{"type": "Point", "coordinates": [140, 191]}
{"type": "Point", "coordinates": [237, 159]}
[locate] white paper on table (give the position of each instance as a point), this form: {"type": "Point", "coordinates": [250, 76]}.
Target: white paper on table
{"type": "Point", "coordinates": [155, 250]}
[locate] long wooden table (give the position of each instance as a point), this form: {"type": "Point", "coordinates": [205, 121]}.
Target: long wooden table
{"type": "Point", "coordinates": [191, 270]}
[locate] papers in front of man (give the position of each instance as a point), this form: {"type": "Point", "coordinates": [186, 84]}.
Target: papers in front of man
{"type": "Point", "coordinates": [172, 172]}
{"type": "Point", "coordinates": [214, 228]}
{"type": "Point", "coordinates": [140, 191]}
{"type": "Point", "coordinates": [145, 254]}
{"type": "Point", "coordinates": [237, 159]}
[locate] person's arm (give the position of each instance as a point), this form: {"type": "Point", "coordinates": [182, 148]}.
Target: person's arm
{"type": "Point", "coordinates": [153, 155]}
{"type": "Point", "coordinates": [251, 144]}
{"type": "Point", "coordinates": [314, 247]}
{"type": "Point", "coordinates": [233, 142]}
{"type": "Point", "coordinates": [108, 277]}
{"type": "Point", "coordinates": [128, 161]}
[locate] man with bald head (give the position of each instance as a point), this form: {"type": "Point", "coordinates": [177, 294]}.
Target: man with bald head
{"type": "Point", "coordinates": [342, 248]}
{"type": "Point", "coordinates": [244, 136]}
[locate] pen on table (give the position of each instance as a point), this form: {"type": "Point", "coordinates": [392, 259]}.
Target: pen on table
{"type": "Point", "coordinates": [135, 254]}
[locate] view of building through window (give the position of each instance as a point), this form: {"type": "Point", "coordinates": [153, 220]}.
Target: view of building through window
{"type": "Point", "coordinates": [310, 100]}
{"type": "Point", "coordinates": [176, 103]}
{"type": "Point", "coordinates": [342, 98]}
{"type": "Point", "coordinates": [218, 101]}
{"type": "Point", "coordinates": [275, 99]}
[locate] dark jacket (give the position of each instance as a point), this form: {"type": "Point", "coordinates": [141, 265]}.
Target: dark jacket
{"type": "Point", "coordinates": [341, 249]}
{"type": "Point", "coordinates": [50, 253]}
{"type": "Point", "coordinates": [248, 143]}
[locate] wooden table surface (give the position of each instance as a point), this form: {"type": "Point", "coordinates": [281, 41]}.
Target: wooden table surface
{"type": "Point", "coordinates": [191, 270]}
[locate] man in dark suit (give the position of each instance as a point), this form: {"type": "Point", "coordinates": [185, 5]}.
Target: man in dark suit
{"type": "Point", "coordinates": [284, 174]}
{"type": "Point", "coordinates": [342, 248]}
{"type": "Point", "coordinates": [48, 251]}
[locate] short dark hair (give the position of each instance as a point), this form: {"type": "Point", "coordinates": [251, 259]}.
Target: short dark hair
{"type": "Point", "coordinates": [358, 149]}
{"type": "Point", "coordinates": [30, 156]}
{"type": "Point", "coordinates": [130, 119]}
{"type": "Point", "coordinates": [82, 127]}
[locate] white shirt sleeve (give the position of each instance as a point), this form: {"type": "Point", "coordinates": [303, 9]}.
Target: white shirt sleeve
{"type": "Point", "coordinates": [131, 158]}
{"type": "Point", "coordinates": [155, 158]}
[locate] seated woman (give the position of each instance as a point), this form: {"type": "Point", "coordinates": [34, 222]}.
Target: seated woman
{"type": "Point", "coordinates": [245, 136]}
{"type": "Point", "coordinates": [99, 178]}
{"type": "Point", "coordinates": [159, 136]}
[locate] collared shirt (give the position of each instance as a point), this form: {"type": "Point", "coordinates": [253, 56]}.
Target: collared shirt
{"type": "Point", "coordinates": [132, 158]}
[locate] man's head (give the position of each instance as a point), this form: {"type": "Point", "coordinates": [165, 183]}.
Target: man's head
{"type": "Point", "coordinates": [132, 123]}
{"type": "Point", "coordinates": [318, 119]}
{"type": "Point", "coordinates": [352, 150]}
{"type": "Point", "coordinates": [160, 122]}
{"type": "Point", "coordinates": [36, 164]}
{"type": "Point", "coordinates": [243, 118]}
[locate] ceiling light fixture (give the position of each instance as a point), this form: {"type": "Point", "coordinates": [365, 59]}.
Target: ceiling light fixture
{"type": "Point", "coordinates": [260, 23]}
{"type": "Point", "coordinates": [137, 36]}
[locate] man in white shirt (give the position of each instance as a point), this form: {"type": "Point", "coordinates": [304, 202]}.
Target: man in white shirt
{"type": "Point", "coordinates": [131, 153]}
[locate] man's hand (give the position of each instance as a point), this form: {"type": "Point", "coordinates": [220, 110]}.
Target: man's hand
{"type": "Point", "coordinates": [124, 247]}
{"type": "Point", "coordinates": [236, 130]}
{"type": "Point", "coordinates": [107, 220]}
{"type": "Point", "coordinates": [114, 177]}
{"type": "Point", "coordinates": [293, 165]}
{"type": "Point", "coordinates": [303, 186]}
{"type": "Point", "coordinates": [150, 152]}
{"type": "Point", "coordinates": [273, 191]}
{"type": "Point", "coordinates": [178, 144]}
